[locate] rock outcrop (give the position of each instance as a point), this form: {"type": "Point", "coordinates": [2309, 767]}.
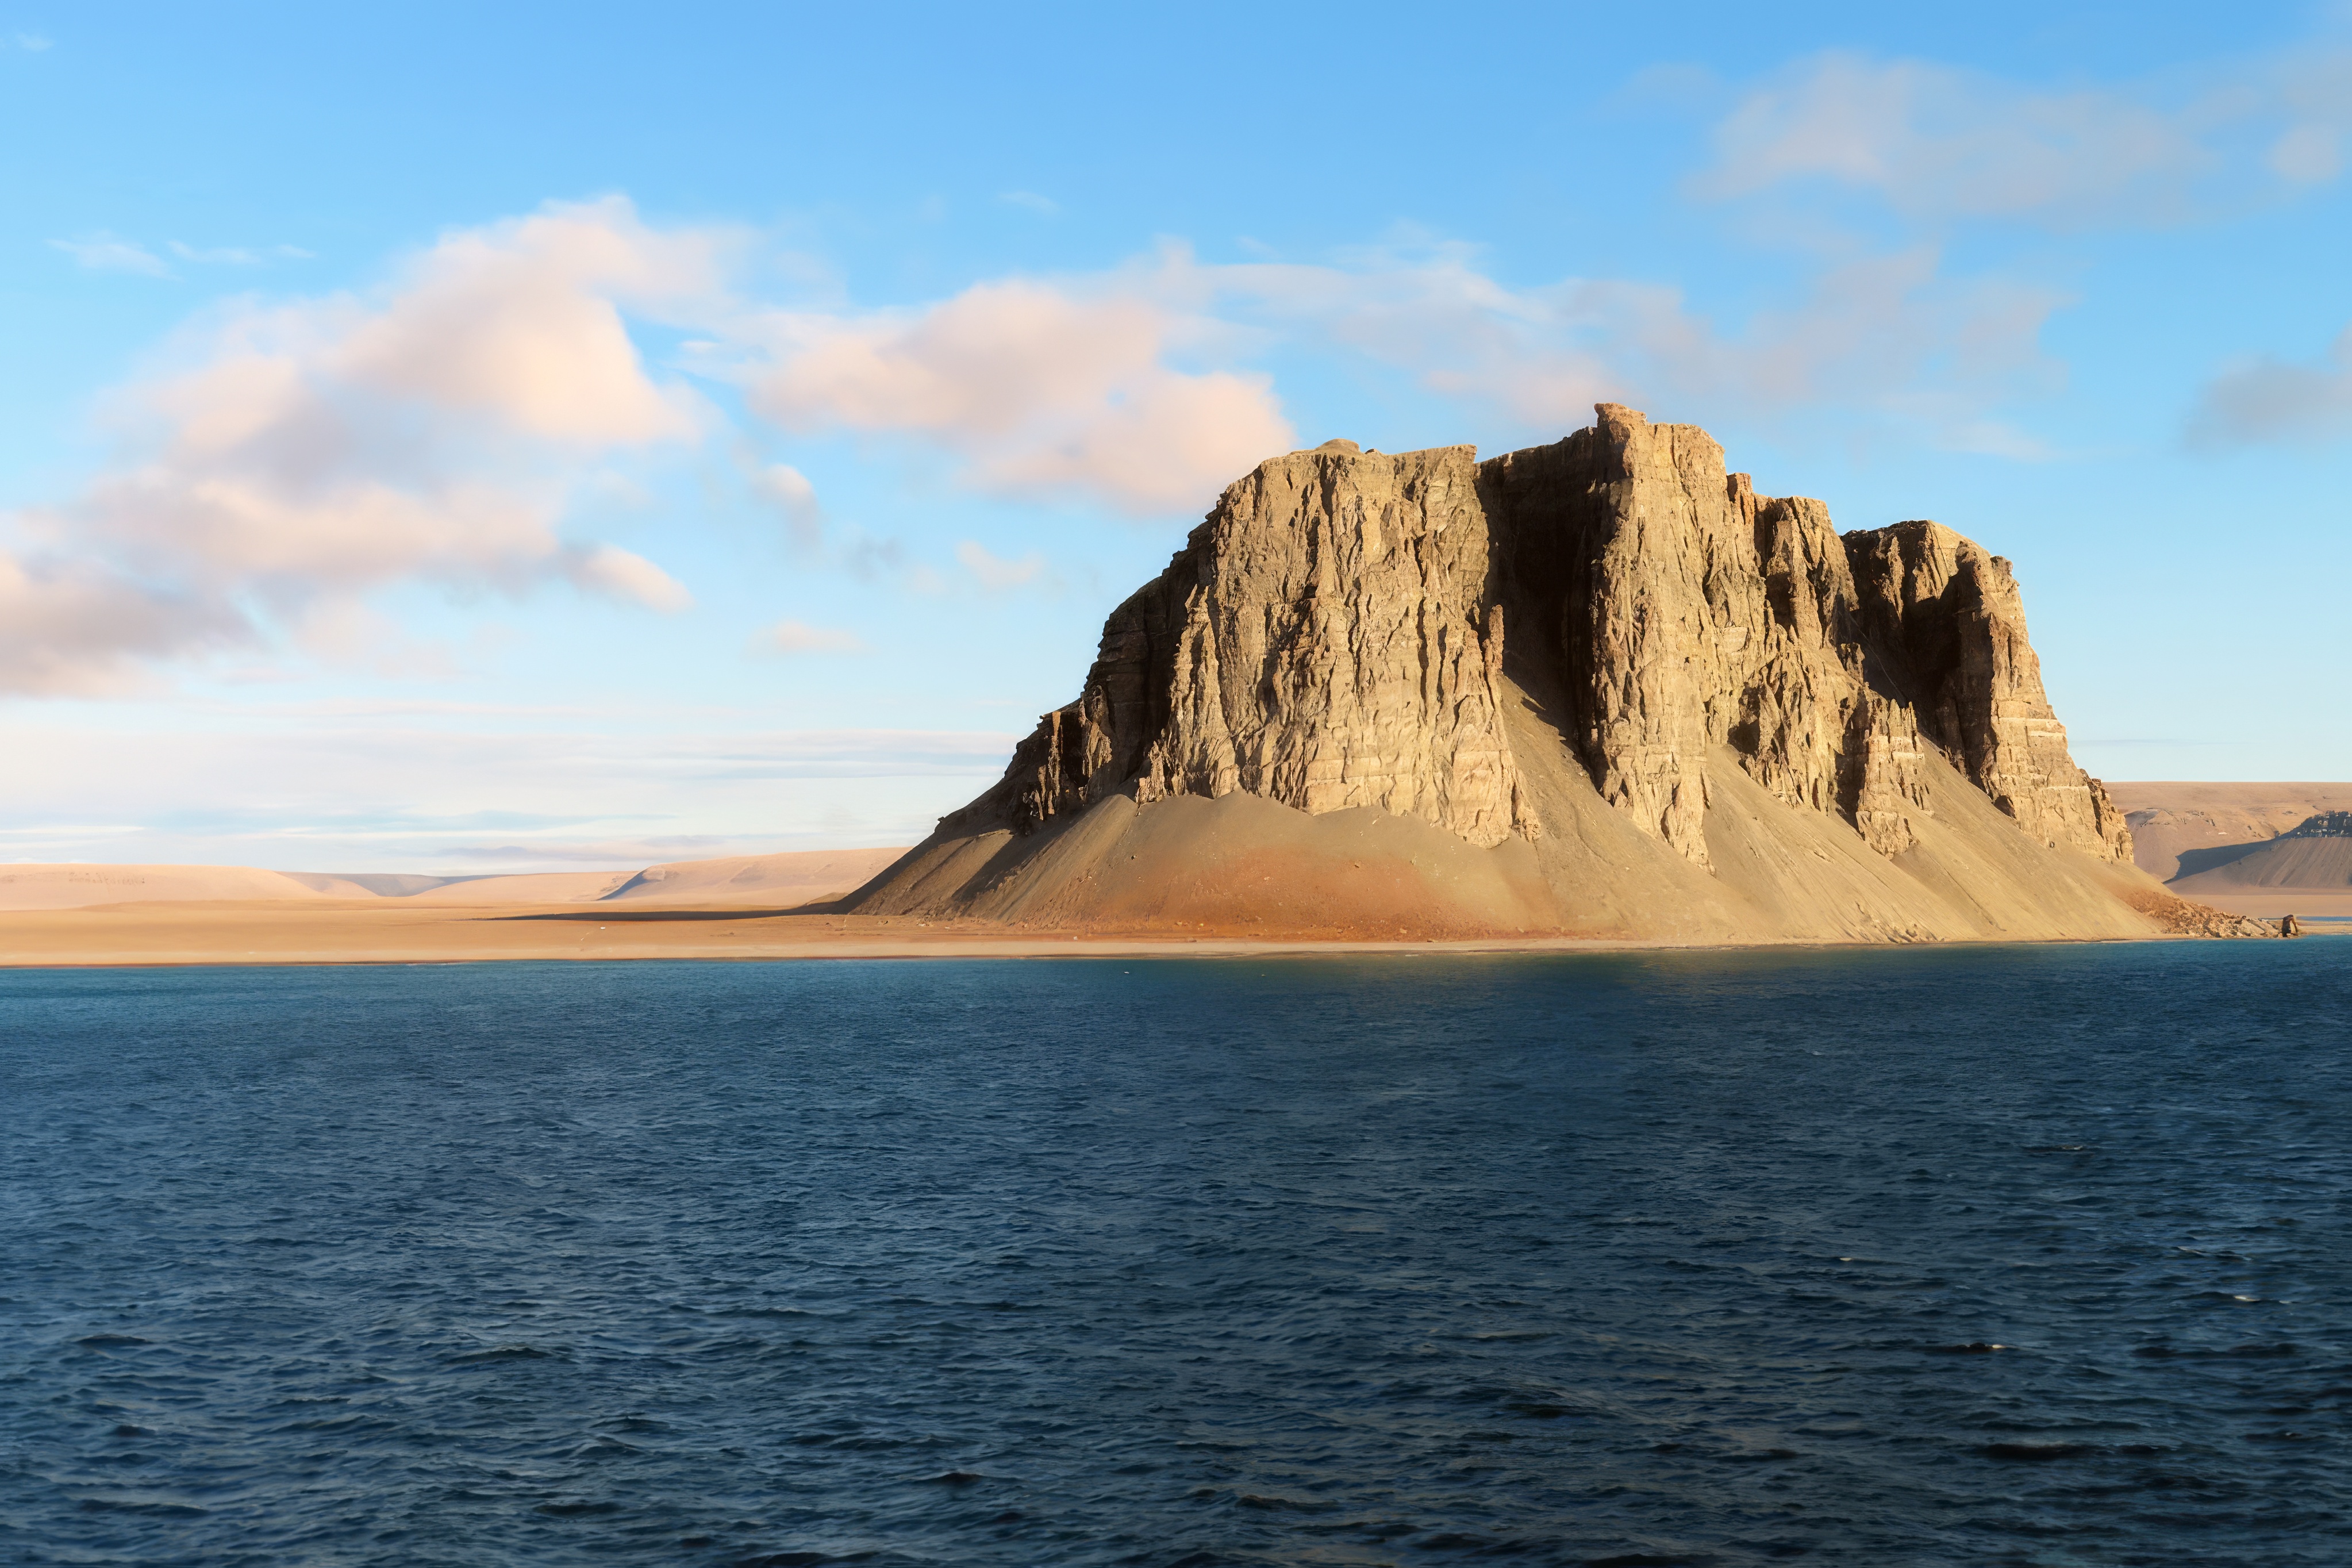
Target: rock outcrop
{"type": "Point", "coordinates": [1948, 619]}
{"type": "Point", "coordinates": [1483, 647]}
{"type": "Point", "coordinates": [1323, 640]}
{"type": "Point", "coordinates": [1694, 612]}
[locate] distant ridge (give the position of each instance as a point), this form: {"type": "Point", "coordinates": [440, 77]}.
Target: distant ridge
{"type": "Point", "coordinates": [2316, 856]}
{"type": "Point", "coordinates": [2180, 828]}
{"type": "Point", "coordinates": [784, 880]}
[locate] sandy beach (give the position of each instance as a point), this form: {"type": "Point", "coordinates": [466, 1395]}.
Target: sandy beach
{"type": "Point", "coordinates": [338, 931]}
{"type": "Point", "coordinates": [387, 932]}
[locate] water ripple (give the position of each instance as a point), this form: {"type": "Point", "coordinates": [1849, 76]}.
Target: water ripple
{"type": "Point", "coordinates": [1975, 1256]}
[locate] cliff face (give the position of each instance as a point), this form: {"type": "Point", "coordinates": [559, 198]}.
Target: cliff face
{"type": "Point", "coordinates": [1693, 613]}
{"type": "Point", "coordinates": [1324, 640]}
{"type": "Point", "coordinates": [1334, 637]}
{"type": "Point", "coordinates": [1950, 622]}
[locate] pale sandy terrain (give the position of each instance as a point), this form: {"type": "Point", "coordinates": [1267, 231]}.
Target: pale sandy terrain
{"type": "Point", "coordinates": [544, 888]}
{"type": "Point", "coordinates": [2297, 863]}
{"type": "Point", "coordinates": [776, 881]}
{"type": "Point", "coordinates": [72, 886]}
{"type": "Point", "coordinates": [768, 881]}
{"type": "Point", "coordinates": [2173, 820]}
{"type": "Point", "coordinates": [378, 931]}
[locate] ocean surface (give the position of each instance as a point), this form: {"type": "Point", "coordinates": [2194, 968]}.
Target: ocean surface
{"type": "Point", "coordinates": [1929, 1256]}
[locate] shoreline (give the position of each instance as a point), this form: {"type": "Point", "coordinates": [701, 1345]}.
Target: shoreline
{"type": "Point", "coordinates": [271, 934]}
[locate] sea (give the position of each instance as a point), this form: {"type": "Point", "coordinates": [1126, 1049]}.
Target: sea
{"type": "Point", "coordinates": [2034, 1254]}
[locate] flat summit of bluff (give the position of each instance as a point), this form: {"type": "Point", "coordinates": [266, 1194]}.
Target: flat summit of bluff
{"type": "Point", "coordinates": [1599, 687]}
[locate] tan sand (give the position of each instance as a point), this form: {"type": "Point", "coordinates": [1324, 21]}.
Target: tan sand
{"type": "Point", "coordinates": [378, 931]}
{"type": "Point", "coordinates": [776, 881]}
{"type": "Point", "coordinates": [542, 888]}
{"type": "Point", "coordinates": [2304, 865]}
{"type": "Point", "coordinates": [767, 882]}
{"type": "Point", "coordinates": [75, 886]}
{"type": "Point", "coordinates": [1780, 874]}
{"type": "Point", "coordinates": [2173, 820]}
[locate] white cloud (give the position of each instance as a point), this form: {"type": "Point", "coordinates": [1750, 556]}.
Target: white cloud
{"type": "Point", "coordinates": [788, 489]}
{"type": "Point", "coordinates": [2307, 154]}
{"type": "Point", "coordinates": [1077, 386]}
{"type": "Point", "coordinates": [2267, 399]}
{"type": "Point", "coordinates": [283, 459]}
{"type": "Point", "coordinates": [1937, 143]}
{"type": "Point", "coordinates": [286, 455]}
{"type": "Point", "coordinates": [1040, 388]}
{"type": "Point", "coordinates": [236, 256]}
{"type": "Point", "coordinates": [105, 253]}
{"type": "Point", "coordinates": [1887, 335]}
{"type": "Point", "coordinates": [786, 486]}
{"type": "Point", "coordinates": [522, 322]}
{"type": "Point", "coordinates": [995, 573]}
{"type": "Point", "coordinates": [1030, 201]}
{"type": "Point", "coordinates": [624, 574]}
{"type": "Point", "coordinates": [80, 630]}
{"type": "Point", "coordinates": [799, 636]}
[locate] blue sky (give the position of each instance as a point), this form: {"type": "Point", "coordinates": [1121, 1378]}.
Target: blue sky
{"type": "Point", "coordinates": [590, 434]}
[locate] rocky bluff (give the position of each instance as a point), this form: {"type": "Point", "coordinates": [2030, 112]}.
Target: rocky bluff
{"type": "Point", "coordinates": [1332, 636]}
{"type": "Point", "coordinates": [1549, 648]}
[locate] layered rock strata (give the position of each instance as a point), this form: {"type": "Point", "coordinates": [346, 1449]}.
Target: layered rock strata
{"type": "Point", "coordinates": [1947, 619]}
{"type": "Point", "coordinates": [1357, 629]}
{"type": "Point", "coordinates": [1692, 612]}
{"type": "Point", "coordinates": [1325, 639]}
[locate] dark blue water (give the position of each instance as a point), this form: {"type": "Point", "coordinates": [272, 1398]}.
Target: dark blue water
{"type": "Point", "coordinates": [1977, 1256]}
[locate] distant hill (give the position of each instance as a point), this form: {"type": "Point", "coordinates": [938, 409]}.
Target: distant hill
{"type": "Point", "coordinates": [771, 881]}
{"type": "Point", "coordinates": [2316, 854]}
{"type": "Point", "coordinates": [2181, 828]}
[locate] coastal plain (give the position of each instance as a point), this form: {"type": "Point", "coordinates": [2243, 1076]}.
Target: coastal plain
{"type": "Point", "coordinates": [790, 906]}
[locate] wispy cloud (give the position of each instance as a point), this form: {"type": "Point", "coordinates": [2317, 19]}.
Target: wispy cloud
{"type": "Point", "coordinates": [799, 636]}
{"type": "Point", "coordinates": [2262, 400]}
{"type": "Point", "coordinates": [1939, 144]}
{"type": "Point", "coordinates": [993, 572]}
{"type": "Point", "coordinates": [238, 255]}
{"type": "Point", "coordinates": [789, 492]}
{"type": "Point", "coordinates": [1030, 201]}
{"type": "Point", "coordinates": [103, 252]}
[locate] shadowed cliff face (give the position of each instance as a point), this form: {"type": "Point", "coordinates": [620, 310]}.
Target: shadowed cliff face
{"type": "Point", "coordinates": [1334, 636]}
{"type": "Point", "coordinates": [1947, 620]}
